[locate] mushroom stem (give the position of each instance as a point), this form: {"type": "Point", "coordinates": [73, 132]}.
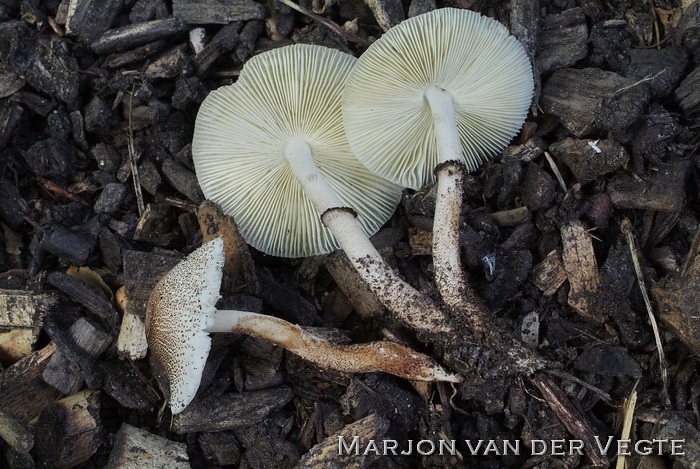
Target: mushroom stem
{"type": "Point", "coordinates": [382, 356]}
{"type": "Point", "coordinates": [401, 299]}
{"type": "Point", "coordinates": [449, 276]}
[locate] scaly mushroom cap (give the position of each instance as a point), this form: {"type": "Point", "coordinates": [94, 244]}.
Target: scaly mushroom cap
{"type": "Point", "coordinates": [179, 309]}
{"type": "Point", "coordinates": [239, 140]}
{"type": "Point", "coordinates": [486, 71]}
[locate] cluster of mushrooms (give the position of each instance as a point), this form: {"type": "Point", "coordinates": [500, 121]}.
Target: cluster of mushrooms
{"type": "Point", "coordinates": [309, 152]}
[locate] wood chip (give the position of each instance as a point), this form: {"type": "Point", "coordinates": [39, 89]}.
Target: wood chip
{"type": "Point", "coordinates": [231, 410]}
{"type": "Point", "coordinates": [17, 344]}
{"type": "Point", "coordinates": [549, 274]}
{"type": "Point", "coordinates": [69, 431]}
{"type": "Point", "coordinates": [24, 393]}
{"type": "Point", "coordinates": [217, 12]}
{"type": "Point", "coordinates": [15, 433]}
{"type": "Point", "coordinates": [94, 302]}
{"type": "Point", "coordinates": [328, 453]}
{"type": "Point", "coordinates": [213, 223]}
{"type": "Point", "coordinates": [133, 446]}
{"type": "Point", "coordinates": [20, 308]}
{"type": "Point", "coordinates": [92, 340]}
{"type": "Point", "coordinates": [581, 270]}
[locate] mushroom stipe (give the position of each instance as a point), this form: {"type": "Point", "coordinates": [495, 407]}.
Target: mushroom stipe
{"type": "Point", "coordinates": [449, 85]}
{"type": "Point", "coordinates": [182, 311]}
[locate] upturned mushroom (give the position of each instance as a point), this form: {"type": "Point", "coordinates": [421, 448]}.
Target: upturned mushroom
{"type": "Point", "coordinates": [438, 93]}
{"type": "Point", "coordinates": [181, 312]}
{"type": "Point", "coordinates": [271, 150]}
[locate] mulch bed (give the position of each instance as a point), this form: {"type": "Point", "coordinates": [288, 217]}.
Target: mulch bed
{"type": "Point", "coordinates": [579, 232]}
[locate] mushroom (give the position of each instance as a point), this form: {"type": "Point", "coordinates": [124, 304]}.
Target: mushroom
{"type": "Point", "coordinates": [270, 149]}
{"type": "Point", "coordinates": [438, 93]}
{"type": "Point", "coordinates": [181, 311]}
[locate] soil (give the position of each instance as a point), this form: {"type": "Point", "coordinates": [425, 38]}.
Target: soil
{"type": "Point", "coordinates": [575, 236]}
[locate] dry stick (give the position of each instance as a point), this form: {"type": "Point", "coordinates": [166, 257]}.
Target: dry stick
{"type": "Point", "coordinates": [569, 377]}
{"type": "Point", "coordinates": [327, 23]}
{"type": "Point", "coordinates": [556, 171]}
{"type": "Point", "coordinates": [628, 419]}
{"type": "Point", "coordinates": [626, 227]}
{"type": "Point", "coordinates": [132, 158]}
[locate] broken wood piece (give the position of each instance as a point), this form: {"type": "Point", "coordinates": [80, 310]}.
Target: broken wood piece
{"type": "Point", "coordinates": [388, 13]}
{"type": "Point", "coordinates": [22, 308]}
{"type": "Point", "coordinates": [17, 344]}
{"type": "Point", "coordinates": [217, 12]}
{"type": "Point", "coordinates": [421, 241]}
{"type": "Point", "coordinates": [223, 43]}
{"type": "Point", "coordinates": [24, 393]}
{"type": "Point", "coordinates": [169, 64]}
{"type": "Point", "coordinates": [76, 358]}
{"type": "Point", "coordinates": [563, 40]}
{"type": "Point", "coordinates": [133, 446]}
{"type": "Point", "coordinates": [512, 217]}
{"type": "Point", "coordinates": [69, 431]}
{"type": "Point", "coordinates": [581, 270]}
{"type": "Point", "coordinates": [123, 382]}
{"type": "Point", "coordinates": [220, 448]}
{"type": "Point", "coordinates": [589, 159]}
{"type": "Point", "coordinates": [663, 190]}
{"type": "Point", "coordinates": [351, 284]}
{"type": "Point", "coordinates": [121, 59]}
{"type": "Point", "coordinates": [230, 410]}
{"type": "Point", "coordinates": [328, 453]}
{"type": "Point", "coordinates": [549, 274]}
{"type": "Point", "coordinates": [88, 19]}
{"type": "Point", "coordinates": [213, 223]}
{"type": "Point", "coordinates": [687, 93]}
{"type": "Point", "coordinates": [678, 299]}
{"type": "Point", "coordinates": [142, 271]}
{"type": "Point", "coordinates": [590, 98]}
{"type": "Point", "coordinates": [88, 337]}
{"type": "Point", "coordinates": [96, 303]}
{"type": "Point", "coordinates": [152, 226]}
{"type": "Point", "coordinates": [138, 34]}
{"type": "Point", "coordinates": [15, 433]}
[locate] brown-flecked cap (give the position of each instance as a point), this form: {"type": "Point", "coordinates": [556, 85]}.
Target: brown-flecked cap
{"type": "Point", "coordinates": [486, 71]}
{"type": "Point", "coordinates": [179, 309]}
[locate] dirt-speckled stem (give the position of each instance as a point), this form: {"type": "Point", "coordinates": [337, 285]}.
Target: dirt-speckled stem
{"type": "Point", "coordinates": [449, 276]}
{"type": "Point", "coordinates": [401, 299]}
{"type": "Point", "coordinates": [383, 356]}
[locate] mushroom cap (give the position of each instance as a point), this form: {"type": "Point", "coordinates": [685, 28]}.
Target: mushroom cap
{"type": "Point", "coordinates": [179, 309]}
{"type": "Point", "coordinates": [238, 151]}
{"type": "Point", "coordinates": [486, 71]}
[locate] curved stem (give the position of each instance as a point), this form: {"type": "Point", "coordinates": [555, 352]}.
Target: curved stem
{"type": "Point", "coordinates": [382, 356]}
{"type": "Point", "coordinates": [401, 299]}
{"type": "Point", "coordinates": [449, 276]}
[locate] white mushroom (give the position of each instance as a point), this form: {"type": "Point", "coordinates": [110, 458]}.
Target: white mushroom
{"type": "Point", "coordinates": [436, 93]}
{"type": "Point", "coordinates": [182, 311]}
{"type": "Point", "coordinates": [271, 150]}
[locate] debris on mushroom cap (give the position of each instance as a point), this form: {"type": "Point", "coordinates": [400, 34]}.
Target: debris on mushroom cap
{"type": "Point", "coordinates": [239, 140]}
{"type": "Point", "coordinates": [179, 308]}
{"type": "Point", "coordinates": [486, 71]}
